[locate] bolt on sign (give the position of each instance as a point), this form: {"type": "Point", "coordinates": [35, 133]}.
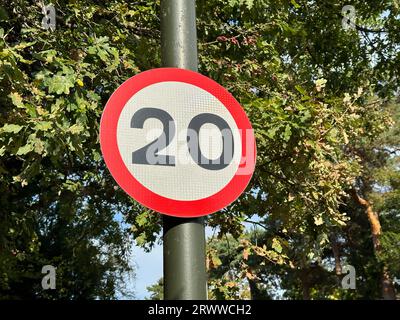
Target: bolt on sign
{"type": "Point", "coordinates": [177, 142]}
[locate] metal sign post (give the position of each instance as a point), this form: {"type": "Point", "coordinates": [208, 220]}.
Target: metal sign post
{"type": "Point", "coordinates": [184, 238]}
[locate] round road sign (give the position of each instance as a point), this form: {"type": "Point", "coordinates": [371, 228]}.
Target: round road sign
{"type": "Point", "coordinates": [177, 142]}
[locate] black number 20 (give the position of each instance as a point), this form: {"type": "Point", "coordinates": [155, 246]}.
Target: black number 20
{"type": "Point", "coordinates": [149, 153]}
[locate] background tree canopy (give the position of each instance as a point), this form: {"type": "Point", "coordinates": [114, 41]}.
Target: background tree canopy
{"type": "Point", "coordinates": [323, 100]}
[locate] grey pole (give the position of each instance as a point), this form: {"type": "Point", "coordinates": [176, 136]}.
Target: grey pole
{"type": "Point", "coordinates": [184, 238]}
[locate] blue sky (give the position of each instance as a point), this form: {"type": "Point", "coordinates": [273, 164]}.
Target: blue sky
{"type": "Point", "coordinates": [149, 268]}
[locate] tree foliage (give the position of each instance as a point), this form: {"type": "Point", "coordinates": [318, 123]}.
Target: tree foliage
{"type": "Point", "coordinates": [323, 101]}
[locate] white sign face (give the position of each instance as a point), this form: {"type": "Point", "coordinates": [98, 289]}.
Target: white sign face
{"type": "Point", "coordinates": [181, 102]}
{"type": "Point", "coordinates": [177, 142]}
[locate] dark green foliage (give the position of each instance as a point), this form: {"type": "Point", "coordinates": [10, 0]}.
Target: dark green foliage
{"type": "Point", "coordinates": [322, 101]}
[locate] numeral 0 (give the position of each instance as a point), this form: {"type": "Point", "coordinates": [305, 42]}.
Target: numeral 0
{"type": "Point", "coordinates": [149, 153]}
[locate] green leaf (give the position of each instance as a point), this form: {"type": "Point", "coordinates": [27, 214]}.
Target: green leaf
{"type": "Point", "coordinates": [103, 54]}
{"type": "Point", "coordinates": [46, 56]}
{"type": "Point", "coordinates": [31, 109]}
{"type": "Point", "coordinates": [16, 99]}
{"type": "Point", "coordinates": [14, 128]}
{"type": "Point", "coordinates": [39, 146]}
{"type": "Point", "coordinates": [301, 90]}
{"type": "Point", "coordinates": [249, 4]}
{"type": "Point", "coordinates": [60, 84]}
{"type": "Point", "coordinates": [96, 155]}
{"type": "Point", "coordinates": [306, 115]}
{"type": "Point", "coordinates": [25, 149]}
{"type": "Point", "coordinates": [287, 133]}
{"type": "Point", "coordinates": [43, 125]}
{"type": "Point", "coordinates": [76, 128]}
{"type": "Point", "coordinates": [216, 261]}
{"type": "Point", "coordinates": [315, 195]}
{"type": "Point", "coordinates": [271, 132]}
{"type": "Point", "coordinates": [296, 5]}
{"type": "Point", "coordinates": [276, 245]}
{"type": "Point", "coordinates": [318, 220]}
{"type": "Point", "coordinates": [141, 219]}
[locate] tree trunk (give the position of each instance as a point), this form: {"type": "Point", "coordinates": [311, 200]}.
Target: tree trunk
{"type": "Point", "coordinates": [336, 255]}
{"type": "Point", "coordinates": [305, 284]}
{"type": "Point", "coordinates": [306, 292]}
{"type": "Point", "coordinates": [388, 291]}
{"type": "Point", "coordinates": [255, 293]}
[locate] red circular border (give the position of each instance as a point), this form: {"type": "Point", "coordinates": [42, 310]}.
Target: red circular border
{"type": "Point", "coordinates": [121, 174]}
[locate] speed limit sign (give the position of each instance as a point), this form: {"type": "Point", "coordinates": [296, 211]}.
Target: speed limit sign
{"type": "Point", "coordinates": [177, 142]}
